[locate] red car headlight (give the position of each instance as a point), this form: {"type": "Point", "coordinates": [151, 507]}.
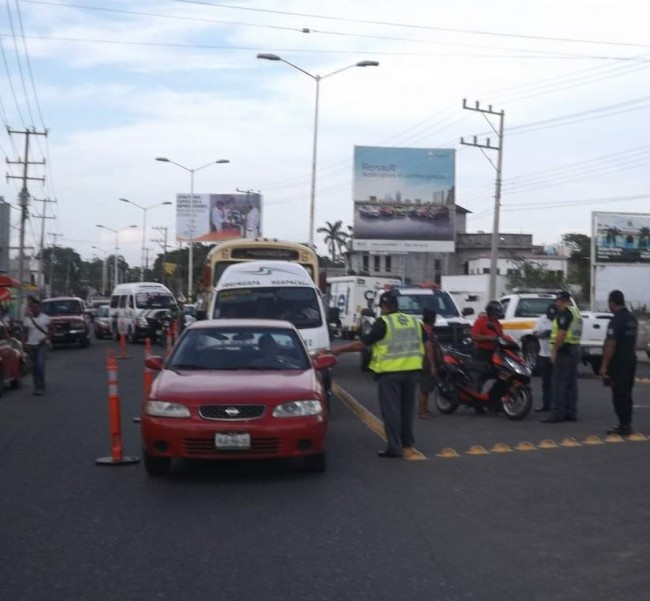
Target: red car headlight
{"type": "Point", "coordinates": [298, 409]}
{"type": "Point", "coordinates": [165, 409]}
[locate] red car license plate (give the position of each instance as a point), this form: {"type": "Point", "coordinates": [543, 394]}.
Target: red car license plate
{"type": "Point", "coordinates": [232, 440]}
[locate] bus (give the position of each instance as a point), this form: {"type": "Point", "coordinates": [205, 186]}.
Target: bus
{"type": "Point", "coordinates": [246, 249]}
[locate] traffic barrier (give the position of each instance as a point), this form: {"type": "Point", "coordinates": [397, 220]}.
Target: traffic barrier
{"type": "Point", "coordinates": [123, 353]}
{"type": "Point", "coordinates": [115, 421]}
{"type": "Point", "coordinates": [170, 339]}
{"type": "Point", "coordinates": [148, 374]}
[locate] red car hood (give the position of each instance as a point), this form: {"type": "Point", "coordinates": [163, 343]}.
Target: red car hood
{"type": "Point", "coordinates": [228, 387]}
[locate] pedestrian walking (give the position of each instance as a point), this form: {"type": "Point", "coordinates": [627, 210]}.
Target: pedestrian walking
{"type": "Point", "coordinates": [37, 338]}
{"type": "Point", "coordinates": [542, 331]}
{"type": "Point", "coordinates": [565, 356]}
{"type": "Point", "coordinates": [428, 373]}
{"type": "Point", "coordinates": [398, 343]}
{"type": "Point", "coordinates": [618, 366]}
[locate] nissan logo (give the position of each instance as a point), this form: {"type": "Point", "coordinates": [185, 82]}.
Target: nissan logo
{"type": "Point", "coordinates": [232, 411]}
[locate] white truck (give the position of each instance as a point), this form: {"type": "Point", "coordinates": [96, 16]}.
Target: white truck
{"type": "Point", "coordinates": [524, 308]}
{"type": "Point", "coordinates": [450, 328]}
{"type": "Point", "coordinates": [348, 296]}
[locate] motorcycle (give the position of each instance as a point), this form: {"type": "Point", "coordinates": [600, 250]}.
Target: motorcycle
{"type": "Point", "coordinates": [506, 388]}
{"type": "Point", "coordinates": [160, 323]}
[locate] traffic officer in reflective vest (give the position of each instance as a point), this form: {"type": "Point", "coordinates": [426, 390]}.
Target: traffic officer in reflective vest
{"type": "Point", "coordinates": [398, 343]}
{"type": "Point", "coordinates": [565, 356]}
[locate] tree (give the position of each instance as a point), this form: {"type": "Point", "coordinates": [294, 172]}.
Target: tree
{"type": "Point", "coordinates": [335, 238]}
{"type": "Point", "coordinates": [531, 274]}
{"type": "Point", "coordinates": [579, 246]}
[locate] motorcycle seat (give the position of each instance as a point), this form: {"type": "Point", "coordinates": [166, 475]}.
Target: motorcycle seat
{"type": "Point", "coordinates": [476, 365]}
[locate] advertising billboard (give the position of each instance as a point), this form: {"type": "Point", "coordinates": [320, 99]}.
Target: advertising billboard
{"type": "Point", "coordinates": [403, 199]}
{"type": "Point", "coordinates": [218, 217]}
{"type": "Point", "coordinates": [621, 237]}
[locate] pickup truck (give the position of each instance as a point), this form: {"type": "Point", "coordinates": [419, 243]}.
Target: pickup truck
{"type": "Point", "coordinates": [522, 311]}
{"type": "Point", "coordinates": [451, 326]}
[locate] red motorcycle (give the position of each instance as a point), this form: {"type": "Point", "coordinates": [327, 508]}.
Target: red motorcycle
{"type": "Point", "coordinates": [503, 384]}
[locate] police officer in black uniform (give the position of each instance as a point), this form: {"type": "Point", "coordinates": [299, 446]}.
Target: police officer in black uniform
{"type": "Point", "coordinates": [619, 361]}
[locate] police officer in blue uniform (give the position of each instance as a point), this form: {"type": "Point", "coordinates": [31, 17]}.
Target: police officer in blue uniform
{"type": "Point", "coordinates": [618, 367]}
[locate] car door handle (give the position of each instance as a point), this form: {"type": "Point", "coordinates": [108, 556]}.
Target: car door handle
{"type": "Point", "coordinates": [596, 326]}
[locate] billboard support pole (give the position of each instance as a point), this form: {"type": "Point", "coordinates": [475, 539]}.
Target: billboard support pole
{"type": "Point", "coordinates": [592, 265]}
{"type": "Point", "coordinates": [494, 249]}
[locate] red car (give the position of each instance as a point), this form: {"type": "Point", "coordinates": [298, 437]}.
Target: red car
{"type": "Point", "coordinates": [12, 360]}
{"type": "Point", "coordinates": [236, 389]}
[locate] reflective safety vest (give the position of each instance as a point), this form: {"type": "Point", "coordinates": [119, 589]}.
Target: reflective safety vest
{"type": "Point", "coordinates": [575, 328]}
{"type": "Point", "coordinates": [401, 349]}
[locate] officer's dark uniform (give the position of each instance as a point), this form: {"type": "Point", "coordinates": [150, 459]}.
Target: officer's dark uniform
{"type": "Point", "coordinates": [623, 329]}
{"type": "Point", "coordinates": [397, 342]}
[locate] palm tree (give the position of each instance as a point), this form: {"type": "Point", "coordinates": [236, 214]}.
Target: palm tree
{"type": "Point", "coordinates": [335, 237]}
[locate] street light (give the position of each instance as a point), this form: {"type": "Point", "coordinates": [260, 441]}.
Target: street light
{"type": "Point", "coordinates": [103, 267]}
{"type": "Point", "coordinates": [144, 227]}
{"type": "Point", "coordinates": [116, 232]}
{"type": "Point", "coordinates": [190, 242]}
{"type": "Point", "coordinates": [317, 79]}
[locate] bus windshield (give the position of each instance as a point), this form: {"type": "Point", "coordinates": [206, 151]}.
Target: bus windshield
{"type": "Point", "coordinates": [297, 305]}
{"type": "Point", "coordinates": [154, 300]}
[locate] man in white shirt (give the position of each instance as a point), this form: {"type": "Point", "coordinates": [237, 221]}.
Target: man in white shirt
{"type": "Point", "coordinates": [252, 222]}
{"type": "Point", "coordinates": [542, 332]}
{"type": "Point", "coordinates": [218, 216]}
{"type": "Point", "coordinates": [37, 337]}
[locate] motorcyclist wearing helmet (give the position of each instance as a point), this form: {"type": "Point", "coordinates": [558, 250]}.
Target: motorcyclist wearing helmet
{"type": "Point", "coordinates": [486, 330]}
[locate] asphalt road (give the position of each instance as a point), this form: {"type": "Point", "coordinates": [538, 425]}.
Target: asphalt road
{"type": "Point", "coordinates": [560, 523]}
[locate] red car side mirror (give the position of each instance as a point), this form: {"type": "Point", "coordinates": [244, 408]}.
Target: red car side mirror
{"type": "Point", "coordinates": [154, 362]}
{"type": "Point", "coordinates": [324, 361]}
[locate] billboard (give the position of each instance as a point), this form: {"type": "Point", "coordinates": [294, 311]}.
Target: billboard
{"type": "Point", "coordinates": [403, 199]}
{"type": "Point", "coordinates": [218, 217]}
{"type": "Point", "coordinates": [621, 237]}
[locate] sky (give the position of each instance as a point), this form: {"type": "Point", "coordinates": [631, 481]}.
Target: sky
{"type": "Point", "coordinates": [117, 83]}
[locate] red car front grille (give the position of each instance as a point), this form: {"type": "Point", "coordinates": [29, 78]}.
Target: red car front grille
{"type": "Point", "coordinates": [205, 446]}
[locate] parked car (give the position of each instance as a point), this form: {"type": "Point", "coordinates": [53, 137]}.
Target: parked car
{"type": "Point", "coordinates": [95, 304]}
{"type": "Point", "coordinates": [69, 319]}
{"type": "Point", "coordinates": [102, 322]}
{"type": "Point", "coordinates": [12, 360]}
{"type": "Point", "coordinates": [236, 389]}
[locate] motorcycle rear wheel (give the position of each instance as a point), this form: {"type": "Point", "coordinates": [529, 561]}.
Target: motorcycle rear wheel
{"type": "Point", "coordinates": [517, 404]}
{"type": "Point", "coordinates": [443, 402]}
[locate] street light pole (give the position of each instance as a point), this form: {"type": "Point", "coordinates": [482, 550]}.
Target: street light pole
{"type": "Point", "coordinates": [317, 79]}
{"type": "Point", "coordinates": [144, 228]}
{"type": "Point", "coordinates": [190, 242]}
{"type": "Point", "coordinates": [116, 232]}
{"type": "Point", "coordinates": [104, 270]}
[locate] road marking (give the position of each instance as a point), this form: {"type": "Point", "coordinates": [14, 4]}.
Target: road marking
{"type": "Point", "coordinates": [377, 426]}
{"type": "Point", "coordinates": [370, 419]}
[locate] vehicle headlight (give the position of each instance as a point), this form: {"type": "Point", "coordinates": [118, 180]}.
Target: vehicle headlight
{"type": "Point", "coordinates": [142, 322]}
{"type": "Point", "coordinates": [298, 409]}
{"type": "Point", "coordinates": [516, 367]}
{"type": "Point", "coordinates": [165, 409]}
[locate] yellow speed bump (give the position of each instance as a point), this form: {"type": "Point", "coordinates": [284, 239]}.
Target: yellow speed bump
{"type": "Point", "coordinates": [477, 450]}
{"type": "Point", "coordinates": [501, 447]}
{"type": "Point", "coordinates": [448, 453]}
{"type": "Point", "coordinates": [592, 440]}
{"type": "Point", "coordinates": [525, 446]}
{"type": "Point", "coordinates": [636, 437]}
{"type": "Point", "coordinates": [614, 438]}
{"type": "Point", "coordinates": [547, 444]}
{"type": "Point", "coordinates": [570, 442]}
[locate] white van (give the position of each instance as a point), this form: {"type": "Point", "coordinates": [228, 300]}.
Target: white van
{"type": "Point", "coordinates": [133, 304]}
{"type": "Point", "coordinates": [272, 290]}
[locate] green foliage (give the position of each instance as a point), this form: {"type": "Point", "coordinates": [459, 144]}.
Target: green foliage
{"type": "Point", "coordinates": [579, 246]}
{"type": "Point", "coordinates": [531, 274]}
{"type": "Point", "coordinates": [336, 239]}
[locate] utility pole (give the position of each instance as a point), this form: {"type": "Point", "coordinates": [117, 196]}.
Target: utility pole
{"type": "Point", "coordinates": [497, 190]}
{"type": "Point", "coordinates": [23, 201]}
{"type": "Point", "coordinates": [54, 236]}
{"type": "Point", "coordinates": [161, 228]}
{"type": "Point", "coordinates": [41, 275]}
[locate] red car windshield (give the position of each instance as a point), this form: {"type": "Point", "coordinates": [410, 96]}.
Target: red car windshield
{"type": "Point", "coordinates": [241, 348]}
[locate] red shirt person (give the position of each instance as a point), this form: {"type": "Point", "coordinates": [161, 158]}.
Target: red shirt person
{"type": "Point", "coordinates": [487, 328]}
